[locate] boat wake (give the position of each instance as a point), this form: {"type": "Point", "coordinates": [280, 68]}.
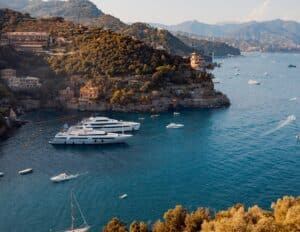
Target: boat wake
{"type": "Point", "coordinates": [282, 124]}
{"type": "Point", "coordinates": [293, 99]}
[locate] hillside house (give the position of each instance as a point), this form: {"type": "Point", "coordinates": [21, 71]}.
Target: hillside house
{"type": "Point", "coordinates": [89, 92]}
{"type": "Point", "coordinates": [66, 94]}
{"type": "Point", "coordinates": [27, 41]}
{"type": "Point", "coordinates": [24, 83]}
{"type": "Point", "coordinates": [198, 62]}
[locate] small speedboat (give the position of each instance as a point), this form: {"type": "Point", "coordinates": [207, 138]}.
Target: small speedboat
{"type": "Point", "coordinates": [293, 99]}
{"type": "Point", "coordinates": [253, 82]}
{"type": "Point", "coordinates": [176, 113]}
{"type": "Point", "coordinates": [63, 177]}
{"type": "Point", "coordinates": [124, 196]}
{"type": "Point", "coordinates": [141, 119]}
{"type": "Point", "coordinates": [155, 116]}
{"type": "Point", "coordinates": [298, 137]}
{"type": "Point", "coordinates": [26, 171]}
{"type": "Point", "coordinates": [175, 126]}
{"type": "Point", "coordinates": [1, 174]}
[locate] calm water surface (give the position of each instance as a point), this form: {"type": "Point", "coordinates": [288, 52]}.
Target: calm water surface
{"type": "Point", "coordinates": [247, 153]}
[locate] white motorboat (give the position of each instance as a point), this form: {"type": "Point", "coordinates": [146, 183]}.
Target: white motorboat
{"type": "Point", "coordinates": [110, 125]}
{"type": "Point", "coordinates": [79, 135]}
{"type": "Point", "coordinates": [63, 177]}
{"type": "Point", "coordinates": [175, 126]}
{"type": "Point", "coordinates": [26, 171]}
{"type": "Point", "coordinates": [253, 82]}
{"type": "Point", "coordinates": [1, 174]}
{"type": "Point", "coordinates": [155, 116]}
{"type": "Point", "coordinates": [298, 137]}
{"type": "Point", "coordinates": [124, 196]}
{"type": "Point", "coordinates": [84, 227]}
{"type": "Point", "coordinates": [176, 113]}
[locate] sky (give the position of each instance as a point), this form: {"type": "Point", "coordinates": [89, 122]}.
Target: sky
{"type": "Point", "coordinates": [208, 11]}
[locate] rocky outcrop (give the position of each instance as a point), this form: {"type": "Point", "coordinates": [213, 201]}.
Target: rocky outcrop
{"type": "Point", "coordinates": [9, 124]}
{"type": "Point", "coordinates": [197, 95]}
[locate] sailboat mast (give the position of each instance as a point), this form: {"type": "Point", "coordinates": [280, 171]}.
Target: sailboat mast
{"type": "Point", "coordinates": [80, 211]}
{"type": "Point", "coordinates": [72, 213]}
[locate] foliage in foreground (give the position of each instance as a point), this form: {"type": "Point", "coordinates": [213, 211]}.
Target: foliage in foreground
{"type": "Point", "coordinates": [284, 217]}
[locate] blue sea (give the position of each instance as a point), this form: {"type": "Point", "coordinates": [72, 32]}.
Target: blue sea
{"type": "Point", "coordinates": [246, 154]}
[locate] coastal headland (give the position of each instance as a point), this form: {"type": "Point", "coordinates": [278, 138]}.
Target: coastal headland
{"type": "Point", "coordinates": [87, 68]}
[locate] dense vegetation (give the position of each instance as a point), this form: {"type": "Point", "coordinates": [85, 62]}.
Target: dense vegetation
{"type": "Point", "coordinates": [100, 52]}
{"type": "Point", "coordinates": [10, 18]}
{"type": "Point", "coordinates": [284, 217]}
{"type": "Point", "coordinates": [126, 70]}
{"type": "Point", "coordinates": [109, 22]}
{"type": "Point", "coordinates": [157, 38]}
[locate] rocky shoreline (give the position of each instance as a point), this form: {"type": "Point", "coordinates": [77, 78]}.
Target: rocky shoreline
{"type": "Point", "coordinates": [10, 126]}
{"type": "Point", "coordinates": [159, 106]}
{"type": "Point", "coordinates": [193, 96]}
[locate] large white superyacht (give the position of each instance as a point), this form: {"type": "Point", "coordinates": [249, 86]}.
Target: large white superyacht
{"type": "Point", "coordinates": [87, 136]}
{"type": "Point", "coordinates": [110, 125]}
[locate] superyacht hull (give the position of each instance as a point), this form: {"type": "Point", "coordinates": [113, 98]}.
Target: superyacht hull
{"type": "Point", "coordinates": [117, 129]}
{"type": "Point", "coordinates": [88, 141]}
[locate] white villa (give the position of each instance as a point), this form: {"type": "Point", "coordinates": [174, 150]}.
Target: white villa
{"type": "Point", "coordinates": [24, 83]}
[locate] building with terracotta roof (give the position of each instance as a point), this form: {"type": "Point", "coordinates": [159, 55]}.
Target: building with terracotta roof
{"type": "Point", "coordinates": [89, 92]}
{"type": "Point", "coordinates": [31, 41]}
{"type": "Point", "coordinates": [198, 62]}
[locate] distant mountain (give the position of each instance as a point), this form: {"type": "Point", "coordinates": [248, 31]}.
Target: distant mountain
{"type": "Point", "coordinates": [198, 28]}
{"type": "Point", "coordinates": [209, 47]}
{"type": "Point", "coordinates": [83, 11]}
{"type": "Point", "coordinates": [270, 35]}
{"type": "Point", "coordinates": [109, 22]}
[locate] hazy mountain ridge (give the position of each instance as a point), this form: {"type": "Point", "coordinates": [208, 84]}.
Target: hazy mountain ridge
{"type": "Point", "coordinates": [208, 47]}
{"type": "Point", "coordinates": [82, 11]}
{"type": "Point", "coordinates": [275, 35]}
{"type": "Point", "coordinates": [162, 39]}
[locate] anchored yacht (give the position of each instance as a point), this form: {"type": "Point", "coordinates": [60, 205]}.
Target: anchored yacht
{"type": "Point", "coordinates": [63, 177]}
{"type": "Point", "coordinates": [87, 136]}
{"type": "Point", "coordinates": [110, 125]}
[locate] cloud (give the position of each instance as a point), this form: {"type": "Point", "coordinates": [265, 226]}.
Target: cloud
{"type": "Point", "coordinates": [259, 12]}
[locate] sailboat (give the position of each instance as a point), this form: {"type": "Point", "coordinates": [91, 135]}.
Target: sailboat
{"type": "Point", "coordinates": [84, 227]}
